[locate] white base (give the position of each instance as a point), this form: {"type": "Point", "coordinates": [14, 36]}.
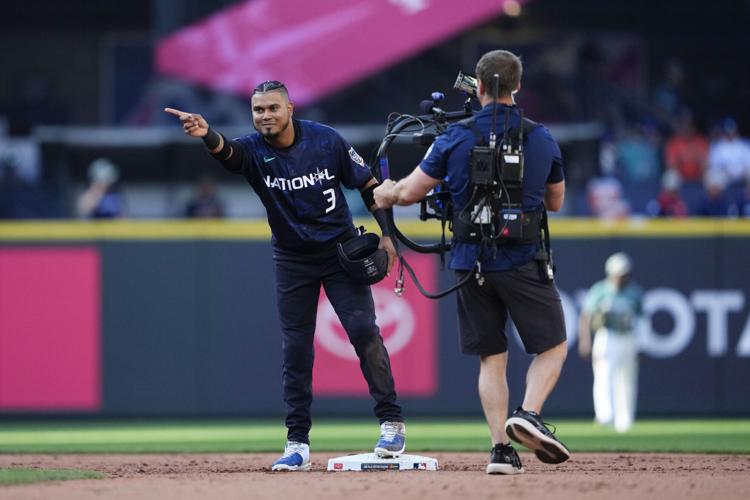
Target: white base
{"type": "Point", "coordinates": [372, 462]}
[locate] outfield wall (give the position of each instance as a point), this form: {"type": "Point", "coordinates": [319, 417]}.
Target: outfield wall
{"type": "Point", "coordinates": [179, 318]}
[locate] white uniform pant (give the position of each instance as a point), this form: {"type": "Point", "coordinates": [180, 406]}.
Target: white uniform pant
{"type": "Point", "coordinates": [615, 363]}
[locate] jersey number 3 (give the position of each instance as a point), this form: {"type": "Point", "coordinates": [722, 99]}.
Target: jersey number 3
{"type": "Point", "coordinates": [330, 199]}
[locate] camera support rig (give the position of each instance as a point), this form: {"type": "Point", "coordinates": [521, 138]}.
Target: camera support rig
{"type": "Point", "coordinates": [437, 204]}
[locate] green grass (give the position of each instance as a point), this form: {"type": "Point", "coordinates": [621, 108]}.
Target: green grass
{"type": "Point", "coordinates": [24, 476]}
{"type": "Point", "coordinates": [701, 436]}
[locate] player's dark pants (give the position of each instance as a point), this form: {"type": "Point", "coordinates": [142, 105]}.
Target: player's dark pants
{"type": "Point", "coordinates": [298, 278]}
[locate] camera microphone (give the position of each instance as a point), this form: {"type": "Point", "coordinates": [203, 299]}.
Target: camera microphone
{"type": "Point", "coordinates": [428, 106]}
{"type": "Point", "coordinates": [431, 105]}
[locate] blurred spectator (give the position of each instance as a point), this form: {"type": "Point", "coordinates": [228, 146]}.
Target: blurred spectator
{"type": "Point", "coordinates": [729, 154]}
{"type": "Point", "coordinates": [23, 156]}
{"type": "Point", "coordinates": [19, 178]}
{"type": "Point", "coordinates": [605, 198]}
{"type": "Point", "coordinates": [24, 192]}
{"type": "Point", "coordinates": [102, 199]}
{"type": "Point", "coordinates": [686, 152]}
{"type": "Point", "coordinates": [668, 94]}
{"type": "Point", "coordinates": [608, 156]}
{"type": "Point", "coordinates": [205, 202]}
{"type": "Point", "coordinates": [638, 153]}
{"type": "Point", "coordinates": [715, 202]}
{"type": "Point", "coordinates": [669, 203]}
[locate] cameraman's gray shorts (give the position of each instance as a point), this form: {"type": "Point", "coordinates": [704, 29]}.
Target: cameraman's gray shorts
{"type": "Point", "coordinates": [534, 306]}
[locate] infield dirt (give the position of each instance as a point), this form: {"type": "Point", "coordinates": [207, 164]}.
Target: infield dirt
{"type": "Point", "coordinates": [234, 476]}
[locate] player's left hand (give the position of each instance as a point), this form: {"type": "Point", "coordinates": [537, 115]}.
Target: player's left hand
{"type": "Point", "coordinates": [390, 249]}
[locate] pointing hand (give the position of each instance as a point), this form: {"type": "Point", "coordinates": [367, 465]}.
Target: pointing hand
{"type": "Point", "coordinates": [193, 124]}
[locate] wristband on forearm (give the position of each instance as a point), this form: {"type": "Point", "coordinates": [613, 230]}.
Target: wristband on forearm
{"type": "Point", "coordinates": [225, 153]}
{"type": "Point", "coordinates": [212, 139]}
{"type": "Point", "coordinates": [382, 219]}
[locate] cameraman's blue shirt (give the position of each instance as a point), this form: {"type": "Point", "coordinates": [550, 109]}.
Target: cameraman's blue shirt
{"type": "Point", "coordinates": [300, 186]}
{"type": "Point", "coordinates": [449, 158]}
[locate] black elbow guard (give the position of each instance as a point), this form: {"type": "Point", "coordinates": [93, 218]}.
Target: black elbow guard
{"type": "Point", "coordinates": [368, 196]}
{"type": "Point", "coordinates": [382, 218]}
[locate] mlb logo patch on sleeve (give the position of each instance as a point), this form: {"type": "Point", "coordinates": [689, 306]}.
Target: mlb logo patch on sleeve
{"type": "Point", "coordinates": [356, 158]}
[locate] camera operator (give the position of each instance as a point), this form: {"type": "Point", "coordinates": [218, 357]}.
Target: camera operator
{"type": "Point", "coordinates": [511, 278]}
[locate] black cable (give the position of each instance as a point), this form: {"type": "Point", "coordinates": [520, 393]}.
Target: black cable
{"type": "Point", "coordinates": [437, 295]}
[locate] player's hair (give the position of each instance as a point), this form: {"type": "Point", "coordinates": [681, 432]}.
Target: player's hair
{"type": "Point", "coordinates": [504, 63]}
{"type": "Point", "coordinates": [271, 86]}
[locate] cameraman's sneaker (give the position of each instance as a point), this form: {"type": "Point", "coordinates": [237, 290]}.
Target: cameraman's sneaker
{"type": "Point", "coordinates": [504, 460]}
{"type": "Point", "coordinates": [296, 457]}
{"type": "Point", "coordinates": [528, 429]}
{"type": "Point", "coordinates": [392, 442]}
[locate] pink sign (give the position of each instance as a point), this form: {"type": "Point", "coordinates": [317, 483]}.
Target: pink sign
{"type": "Point", "coordinates": [49, 329]}
{"type": "Point", "coordinates": [314, 46]}
{"type": "Point", "coordinates": [409, 329]}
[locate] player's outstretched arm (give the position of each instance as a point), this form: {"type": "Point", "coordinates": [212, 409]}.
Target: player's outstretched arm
{"type": "Point", "coordinates": [195, 125]}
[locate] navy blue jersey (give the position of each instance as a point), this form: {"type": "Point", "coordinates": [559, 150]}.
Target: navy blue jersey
{"type": "Point", "coordinates": [300, 186]}
{"type": "Point", "coordinates": [449, 159]}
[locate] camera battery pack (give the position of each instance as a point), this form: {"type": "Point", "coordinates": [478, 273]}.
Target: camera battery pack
{"type": "Point", "coordinates": [511, 223]}
{"type": "Point", "coordinates": [511, 167]}
{"type": "Point", "coordinates": [482, 165]}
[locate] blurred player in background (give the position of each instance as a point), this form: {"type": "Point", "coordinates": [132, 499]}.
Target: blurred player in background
{"type": "Point", "coordinates": [612, 312]}
{"type": "Point", "coordinates": [297, 168]}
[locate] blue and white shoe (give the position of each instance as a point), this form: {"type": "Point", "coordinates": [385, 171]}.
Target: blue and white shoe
{"type": "Point", "coordinates": [296, 457]}
{"type": "Point", "coordinates": [392, 442]}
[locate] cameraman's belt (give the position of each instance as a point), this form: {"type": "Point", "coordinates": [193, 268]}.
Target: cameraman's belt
{"type": "Point", "coordinates": [465, 231]}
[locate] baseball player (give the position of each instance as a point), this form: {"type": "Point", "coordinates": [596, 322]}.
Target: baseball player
{"type": "Point", "coordinates": [612, 310]}
{"type": "Point", "coordinates": [297, 168]}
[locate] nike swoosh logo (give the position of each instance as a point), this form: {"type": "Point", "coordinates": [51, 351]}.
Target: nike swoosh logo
{"type": "Point", "coordinates": [267, 159]}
